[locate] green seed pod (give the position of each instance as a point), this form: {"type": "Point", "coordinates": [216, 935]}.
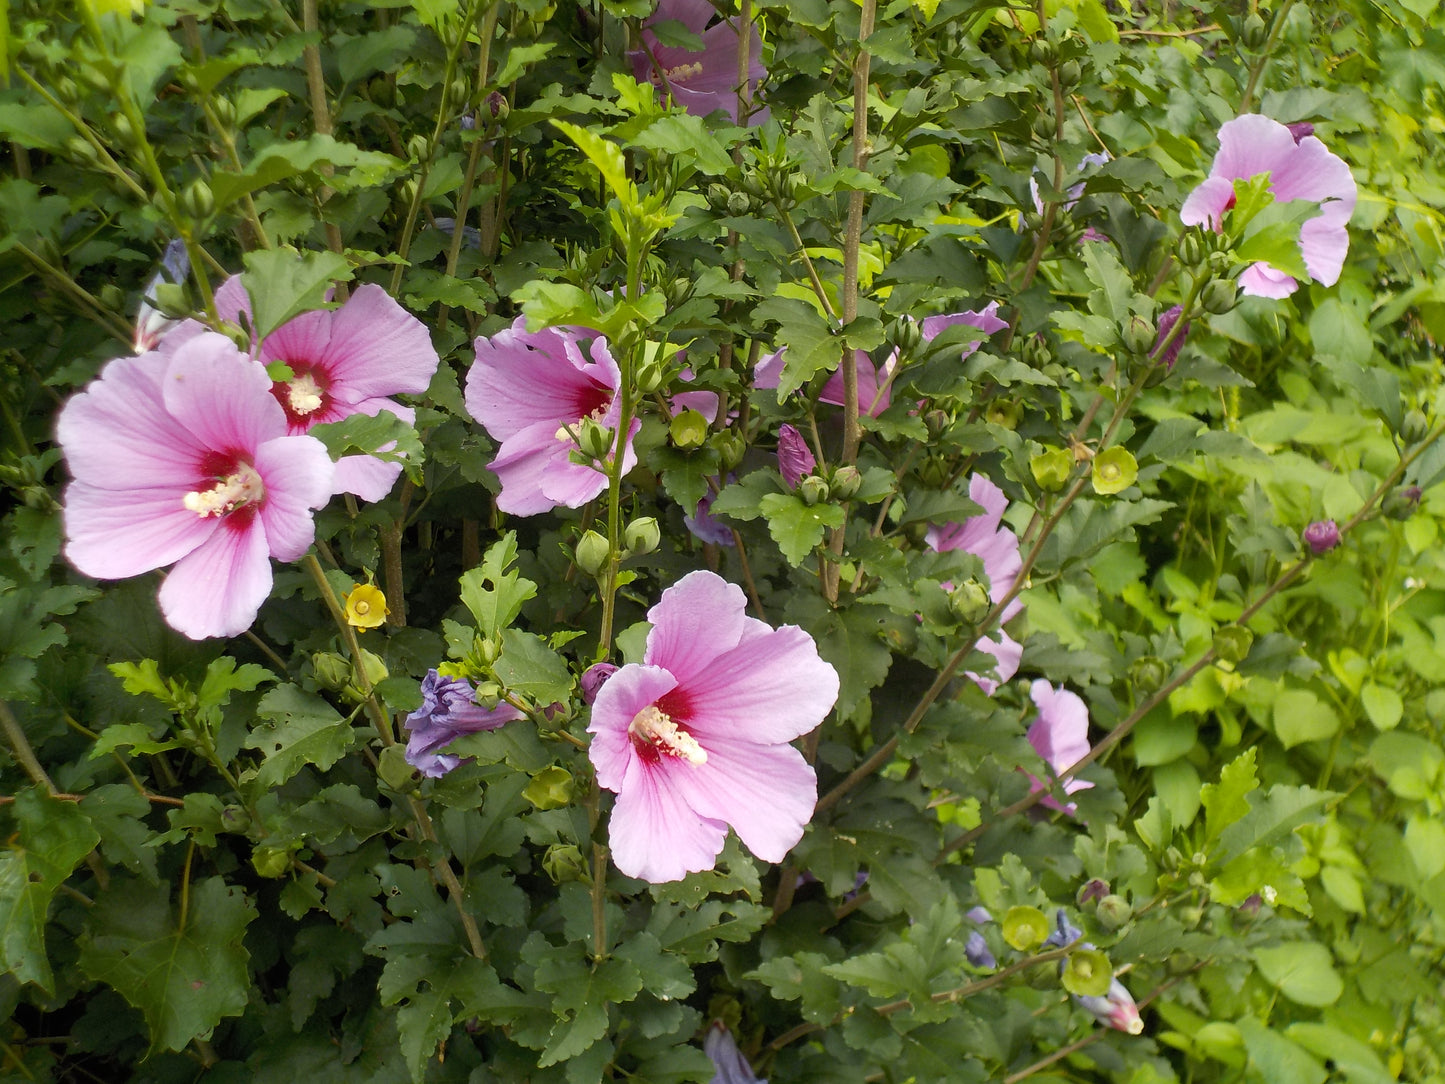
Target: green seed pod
{"type": "Point", "coordinates": [563, 862]}
{"type": "Point", "coordinates": [1088, 973]}
{"type": "Point", "coordinates": [1232, 643]}
{"type": "Point", "coordinates": [1025, 928]}
{"type": "Point", "coordinates": [1114, 471]}
{"type": "Point", "coordinates": [592, 553]}
{"type": "Point", "coordinates": [551, 788]}
{"type": "Point", "coordinates": [1006, 413]}
{"type": "Point", "coordinates": [1051, 469]}
{"type": "Point", "coordinates": [717, 197]}
{"type": "Point", "coordinates": [688, 429]}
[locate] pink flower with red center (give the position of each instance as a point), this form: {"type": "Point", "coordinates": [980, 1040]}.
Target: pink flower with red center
{"type": "Point", "coordinates": [1299, 168]}
{"type": "Point", "coordinates": [694, 739]}
{"type": "Point", "coordinates": [1060, 735]}
{"type": "Point", "coordinates": [345, 361]}
{"type": "Point", "coordinates": [532, 390]}
{"type": "Point", "coordinates": [998, 548]}
{"type": "Point", "coordinates": [183, 457]}
{"type": "Point", "coordinates": [701, 82]}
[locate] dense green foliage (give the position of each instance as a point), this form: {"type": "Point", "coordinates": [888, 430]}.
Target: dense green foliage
{"type": "Point", "coordinates": [218, 864]}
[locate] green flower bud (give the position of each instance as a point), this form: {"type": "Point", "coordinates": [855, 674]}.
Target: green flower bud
{"type": "Point", "coordinates": [1044, 127]}
{"type": "Point", "coordinates": [592, 553]}
{"type": "Point", "coordinates": [1232, 643]}
{"type": "Point", "coordinates": [1139, 335]}
{"type": "Point", "coordinates": [563, 862]}
{"type": "Point", "coordinates": [1042, 51]}
{"type": "Point", "coordinates": [688, 429]}
{"type": "Point", "coordinates": [373, 667]}
{"type": "Point", "coordinates": [1088, 973]}
{"type": "Point", "coordinates": [393, 770]}
{"type": "Point", "coordinates": [271, 862]}
{"type": "Point", "coordinates": [783, 187]}
{"type": "Point", "coordinates": [1035, 351]}
{"type": "Point", "coordinates": [487, 650]}
{"type": "Point", "coordinates": [1219, 296]}
{"type": "Point", "coordinates": [594, 438]}
{"type": "Point", "coordinates": [753, 185]}
{"type": "Point", "coordinates": [124, 131]}
{"type": "Point", "coordinates": [730, 448]}
{"type": "Point", "coordinates": [813, 490]}
{"type": "Point", "coordinates": [66, 90]}
{"type": "Point", "coordinates": [937, 422]}
{"type": "Point", "coordinates": [1114, 471]}
{"type": "Point", "coordinates": [1069, 74]}
{"type": "Point", "coordinates": [650, 375]}
{"type": "Point", "coordinates": [845, 482]}
{"type": "Point", "coordinates": [934, 471]}
{"type": "Point", "coordinates": [738, 203]}
{"type": "Point", "coordinates": [1193, 248]}
{"type": "Point", "coordinates": [197, 201]}
{"type": "Point", "coordinates": [407, 190]}
{"type": "Point", "coordinates": [458, 92]}
{"type": "Point", "coordinates": [1051, 468]}
{"type": "Point", "coordinates": [234, 818]}
{"type": "Point", "coordinates": [1025, 928]}
{"type": "Point", "coordinates": [332, 671]}
{"type": "Point", "coordinates": [111, 297]}
{"type": "Point", "coordinates": [969, 602]}
{"type": "Point", "coordinates": [641, 536]}
{"type": "Point", "coordinates": [1400, 504]}
{"type": "Point", "coordinates": [1113, 911]}
{"type": "Point", "coordinates": [82, 150]}
{"type": "Point", "coordinates": [418, 148]}
{"type": "Point", "coordinates": [551, 788]}
{"type": "Point", "coordinates": [94, 78]}
{"type": "Point", "coordinates": [224, 111]}
{"type": "Point", "coordinates": [1254, 33]}
{"type": "Point", "coordinates": [1148, 673]}
{"type": "Point", "coordinates": [1415, 427]}
{"type": "Point", "coordinates": [717, 197]}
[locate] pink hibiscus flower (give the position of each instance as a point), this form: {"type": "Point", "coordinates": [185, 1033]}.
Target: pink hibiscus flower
{"type": "Point", "coordinates": [694, 739]}
{"type": "Point", "coordinates": [532, 390]}
{"type": "Point", "coordinates": [345, 361]}
{"type": "Point", "coordinates": [1299, 168]}
{"type": "Point", "coordinates": [1060, 735]}
{"type": "Point", "coordinates": [184, 458]}
{"type": "Point", "coordinates": [998, 548]}
{"type": "Point", "coordinates": [794, 458]}
{"type": "Point", "coordinates": [700, 82]}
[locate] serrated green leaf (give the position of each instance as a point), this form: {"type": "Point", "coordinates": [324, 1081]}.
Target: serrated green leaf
{"type": "Point", "coordinates": [53, 839]}
{"type": "Point", "coordinates": [283, 283]}
{"type": "Point", "coordinates": [528, 666]}
{"type": "Point", "coordinates": [494, 593]}
{"type": "Point", "coordinates": [797, 527]}
{"type": "Point", "coordinates": [303, 729]}
{"type": "Point", "coordinates": [184, 977]}
{"type": "Point", "coordinates": [607, 157]}
{"type": "Point", "coordinates": [1226, 802]}
{"type": "Point", "coordinates": [1272, 816]}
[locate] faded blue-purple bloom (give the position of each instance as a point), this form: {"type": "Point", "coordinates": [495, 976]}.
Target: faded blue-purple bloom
{"type": "Point", "coordinates": [150, 323]}
{"type": "Point", "coordinates": [722, 1048]}
{"type": "Point", "coordinates": [1065, 932]}
{"type": "Point", "coordinates": [1322, 536]}
{"type": "Point", "coordinates": [979, 915]}
{"type": "Point", "coordinates": [594, 678]}
{"type": "Point", "coordinates": [978, 952]}
{"type": "Point", "coordinates": [1170, 354]}
{"type": "Point", "coordinates": [705, 526]}
{"type": "Point", "coordinates": [1116, 1009]}
{"type": "Point", "coordinates": [449, 710]}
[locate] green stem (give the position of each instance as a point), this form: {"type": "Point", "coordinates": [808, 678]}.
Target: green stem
{"type": "Point", "coordinates": [20, 746]}
{"type": "Point", "coordinates": [1257, 68]}
{"type": "Point", "coordinates": [379, 718]}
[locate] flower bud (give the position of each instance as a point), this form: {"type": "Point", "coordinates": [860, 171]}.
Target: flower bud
{"type": "Point", "coordinates": [487, 650]}
{"type": "Point", "coordinates": [372, 667]}
{"type": "Point", "coordinates": [551, 788]}
{"type": "Point", "coordinates": [1035, 351]}
{"type": "Point", "coordinates": [1043, 51]}
{"type": "Point", "coordinates": [1219, 296]}
{"type": "Point", "coordinates": [845, 482]}
{"type": "Point", "coordinates": [331, 670]}
{"type": "Point", "coordinates": [1139, 335]}
{"type": "Point", "coordinates": [813, 490]}
{"type": "Point", "coordinates": [563, 862]}
{"type": "Point", "coordinates": [234, 818]}
{"type": "Point", "coordinates": [1148, 673]}
{"type": "Point", "coordinates": [1193, 248]}
{"type": "Point", "coordinates": [906, 334]}
{"type": "Point", "coordinates": [977, 952]}
{"type": "Point", "coordinates": [717, 197]}
{"type": "Point", "coordinates": [1168, 355]}
{"type": "Point", "coordinates": [650, 376]}
{"type": "Point", "coordinates": [1044, 127]}
{"type": "Point", "coordinates": [937, 422]}
{"type": "Point", "coordinates": [641, 536]}
{"type": "Point", "coordinates": [593, 678]}
{"type": "Point", "coordinates": [1114, 471]}
{"type": "Point", "coordinates": [1322, 536]}
{"type": "Point", "coordinates": [497, 105]}
{"type": "Point", "coordinates": [969, 602]}
{"type": "Point", "coordinates": [592, 553]}
{"type": "Point", "coordinates": [901, 639]}
{"type": "Point", "coordinates": [730, 448]}
{"type": "Point", "coordinates": [82, 150]}
{"type": "Point", "coordinates": [124, 131]}
{"type": "Point", "coordinates": [1253, 33]}
{"type": "Point", "coordinates": [1415, 427]}
{"type": "Point", "coordinates": [1400, 504]}
{"type": "Point", "coordinates": [934, 471]}
{"type": "Point", "coordinates": [418, 148]}
{"type": "Point", "coordinates": [594, 439]}
{"type": "Point", "coordinates": [738, 204]}
{"type": "Point", "coordinates": [1113, 911]}
{"type": "Point", "coordinates": [1116, 1009]}
{"type": "Point", "coordinates": [1232, 643]}
{"type": "Point", "coordinates": [1069, 74]}
{"type": "Point", "coordinates": [795, 459]}
{"type": "Point", "coordinates": [1051, 469]}
{"type": "Point", "coordinates": [688, 429]}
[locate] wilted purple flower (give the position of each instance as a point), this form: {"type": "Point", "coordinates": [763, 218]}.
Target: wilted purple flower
{"type": "Point", "coordinates": [1299, 168]}
{"type": "Point", "coordinates": [150, 323]}
{"type": "Point", "coordinates": [976, 949]}
{"type": "Point", "coordinates": [722, 1048]}
{"type": "Point", "coordinates": [1094, 890]}
{"type": "Point", "coordinates": [1167, 319]}
{"type": "Point", "coordinates": [998, 548]}
{"type": "Point", "coordinates": [794, 458]}
{"type": "Point", "coordinates": [980, 915]}
{"type": "Point", "coordinates": [449, 710]}
{"type": "Point", "coordinates": [700, 82]}
{"type": "Point", "coordinates": [1116, 1009]}
{"type": "Point", "coordinates": [705, 526]}
{"type": "Point", "coordinates": [1065, 932]}
{"type": "Point", "coordinates": [1322, 536]}
{"type": "Point", "coordinates": [985, 319]}
{"type": "Point", "coordinates": [1060, 735]}
{"type": "Point", "coordinates": [1076, 191]}
{"type": "Point", "coordinates": [873, 381]}
{"type": "Point", "coordinates": [593, 679]}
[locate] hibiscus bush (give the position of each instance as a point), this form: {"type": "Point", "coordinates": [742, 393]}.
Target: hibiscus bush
{"type": "Point", "coordinates": [674, 541]}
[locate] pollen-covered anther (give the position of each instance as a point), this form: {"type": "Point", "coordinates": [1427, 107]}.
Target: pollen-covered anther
{"type": "Point", "coordinates": [653, 728]}
{"type": "Point", "coordinates": [683, 72]}
{"type": "Point", "coordinates": [303, 394]}
{"type": "Point", "coordinates": [231, 492]}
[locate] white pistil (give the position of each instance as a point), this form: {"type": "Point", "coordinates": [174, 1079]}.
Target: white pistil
{"type": "Point", "coordinates": [242, 487]}
{"type": "Point", "coordinates": [652, 727]}
{"type": "Point", "coordinates": [304, 394]}
{"type": "Point", "coordinates": [683, 72]}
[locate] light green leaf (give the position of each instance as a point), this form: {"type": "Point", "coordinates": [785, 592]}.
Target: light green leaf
{"type": "Point", "coordinates": [1383, 705]}
{"type": "Point", "coordinates": [1304, 971]}
{"type": "Point", "coordinates": [1300, 716]}
{"type": "Point", "coordinates": [1226, 802]}
{"type": "Point", "coordinates": [607, 157]}
{"type": "Point", "coordinates": [284, 283]}
{"type": "Point", "coordinates": [528, 666]}
{"type": "Point", "coordinates": [494, 593]}
{"type": "Point", "coordinates": [798, 527]}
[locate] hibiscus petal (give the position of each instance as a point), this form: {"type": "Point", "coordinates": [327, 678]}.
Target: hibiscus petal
{"type": "Point", "coordinates": [1207, 203]}
{"type": "Point", "coordinates": [112, 535]}
{"type": "Point", "coordinates": [1250, 145]}
{"type": "Point", "coordinates": [765, 792]}
{"type": "Point", "coordinates": [366, 476]}
{"type": "Point", "coordinates": [654, 833]}
{"type": "Point", "coordinates": [537, 475]}
{"type": "Point", "coordinates": [771, 688]}
{"type": "Point", "coordinates": [1262, 280]}
{"type": "Point", "coordinates": [521, 379]}
{"type": "Point", "coordinates": [620, 698]}
{"type": "Point", "coordinates": [1007, 654]}
{"type": "Point", "coordinates": [696, 620]}
{"type": "Point", "coordinates": [377, 348]}
{"type": "Point", "coordinates": [302, 339]}
{"type": "Point", "coordinates": [297, 474]}
{"type": "Point", "coordinates": [222, 396]}
{"type": "Point", "coordinates": [217, 588]}
{"type": "Point", "coordinates": [1061, 732]}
